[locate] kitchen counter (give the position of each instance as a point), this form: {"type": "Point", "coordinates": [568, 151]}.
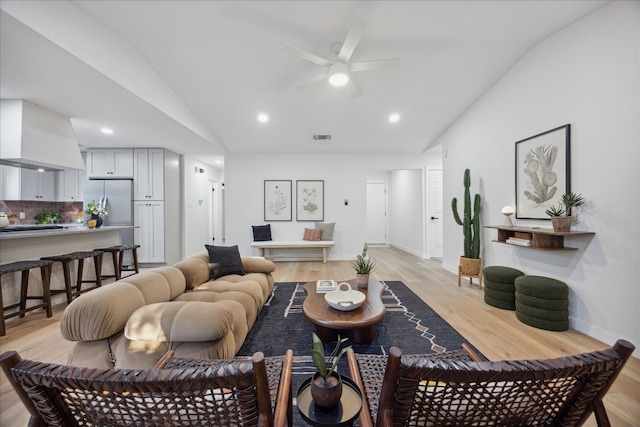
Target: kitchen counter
{"type": "Point", "coordinates": [66, 230]}
{"type": "Point", "coordinates": [28, 245]}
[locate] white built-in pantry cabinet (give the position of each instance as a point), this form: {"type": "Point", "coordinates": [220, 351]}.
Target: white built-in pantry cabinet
{"type": "Point", "coordinates": [149, 208]}
{"type": "Point", "coordinates": [148, 174]}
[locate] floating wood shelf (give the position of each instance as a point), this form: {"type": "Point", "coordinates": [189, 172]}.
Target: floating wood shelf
{"type": "Point", "coordinates": [541, 239]}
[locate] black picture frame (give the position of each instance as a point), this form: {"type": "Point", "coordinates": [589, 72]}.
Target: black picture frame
{"type": "Point", "coordinates": [543, 172]}
{"type": "Point", "coordinates": [277, 200]}
{"type": "Point", "coordinates": [310, 200]}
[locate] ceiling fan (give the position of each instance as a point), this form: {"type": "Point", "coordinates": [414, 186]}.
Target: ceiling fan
{"type": "Point", "coordinates": [338, 71]}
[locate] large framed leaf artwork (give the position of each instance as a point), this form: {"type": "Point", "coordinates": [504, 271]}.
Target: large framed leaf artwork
{"type": "Point", "coordinates": [277, 200]}
{"type": "Point", "coordinates": [310, 200]}
{"type": "Point", "coordinates": [543, 172]}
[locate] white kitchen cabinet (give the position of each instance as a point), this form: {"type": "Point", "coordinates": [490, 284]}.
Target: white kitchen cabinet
{"type": "Point", "coordinates": [70, 185]}
{"type": "Point", "coordinates": [28, 184]}
{"type": "Point", "coordinates": [149, 234]}
{"type": "Point", "coordinates": [148, 174]}
{"type": "Point", "coordinates": [108, 163]}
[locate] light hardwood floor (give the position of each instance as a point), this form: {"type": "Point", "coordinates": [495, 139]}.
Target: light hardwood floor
{"type": "Point", "coordinates": [496, 333]}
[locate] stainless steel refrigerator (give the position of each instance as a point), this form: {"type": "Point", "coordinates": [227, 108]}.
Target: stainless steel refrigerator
{"type": "Point", "coordinates": [117, 196]}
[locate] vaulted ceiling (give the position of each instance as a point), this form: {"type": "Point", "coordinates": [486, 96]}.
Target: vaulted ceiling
{"type": "Point", "coordinates": [192, 76]}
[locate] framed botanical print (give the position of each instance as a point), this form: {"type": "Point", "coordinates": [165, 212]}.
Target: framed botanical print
{"type": "Point", "coordinates": [310, 200]}
{"type": "Point", "coordinates": [542, 172]}
{"type": "Point", "coordinates": [277, 200]}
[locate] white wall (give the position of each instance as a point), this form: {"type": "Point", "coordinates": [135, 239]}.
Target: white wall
{"type": "Point", "coordinates": [196, 204]}
{"type": "Point", "coordinates": [406, 216]}
{"type": "Point", "coordinates": [586, 75]}
{"type": "Point", "coordinates": [344, 176]}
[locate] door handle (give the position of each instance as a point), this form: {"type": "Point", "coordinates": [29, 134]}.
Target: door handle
{"type": "Point", "coordinates": [434, 217]}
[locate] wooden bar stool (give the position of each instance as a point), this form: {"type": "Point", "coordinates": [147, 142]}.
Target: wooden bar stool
{"type": "Point", "coordinates": [25, 267]}
{"type": "Point", "coordinates": [117, 254]}
{"type": "Point", "coordinates": [66, 260]}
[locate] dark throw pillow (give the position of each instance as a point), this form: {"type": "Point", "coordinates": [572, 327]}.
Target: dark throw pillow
{"type": "Point", "coordinates": [224, 260]}
{"type": "Point", "coordinates": [261, 233]}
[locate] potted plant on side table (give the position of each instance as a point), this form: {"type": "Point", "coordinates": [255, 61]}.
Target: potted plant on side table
{"type": "Point", "coordinates": [326, 384]}
{"type": "Point", "coordinates": [562, 216]}
{"type": "Point", "coordinates": [363, 265]}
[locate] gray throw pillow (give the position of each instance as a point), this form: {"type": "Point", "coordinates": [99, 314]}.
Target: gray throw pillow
{"type": "Point", "coordinates": [327, 229]}
{"type": "Point", "coordinates": [224, 260]}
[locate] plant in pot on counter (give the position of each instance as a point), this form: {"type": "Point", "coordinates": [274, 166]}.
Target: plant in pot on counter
{"type": "Point", "coordinates": [326, 384]}
{"type": "Point", "coordinates": [95, 212]}
{"type": "Point", "coordinates": [363, 265]}
{"type": "Point", "coordinates": [48, 218]}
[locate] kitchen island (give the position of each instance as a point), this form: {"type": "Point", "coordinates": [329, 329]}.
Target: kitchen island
{"type": "Point", "coordinates": [33, 244]}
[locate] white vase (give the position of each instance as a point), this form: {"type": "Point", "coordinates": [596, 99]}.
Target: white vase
{"type": "Point", "coordinates": [362, 280]}
{"type": "Point", "coordinates": [4, 220]}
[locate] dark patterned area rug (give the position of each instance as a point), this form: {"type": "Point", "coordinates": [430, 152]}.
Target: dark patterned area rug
{"type": "Point", "coordinates": [409, 324]}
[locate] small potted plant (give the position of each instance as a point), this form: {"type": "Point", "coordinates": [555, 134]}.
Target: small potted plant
{"type": "Point", "coordinates": [95, 212]}
{"type": "Point", "coordinates": [571, 202]}
{"type": "Point", "coordinates": [326, 383]}
{"type": "Point", "coordinates": [363, 265]}
{"type": "Point", "coordinates": [560, 222]}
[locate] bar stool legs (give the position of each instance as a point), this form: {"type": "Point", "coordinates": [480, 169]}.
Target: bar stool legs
{"type": "Point", "coordinates": [66, 260]}
{"type": "Point", "coordinates": [117, 254]}
{"type": "Point", "coordinates": [24, 268]}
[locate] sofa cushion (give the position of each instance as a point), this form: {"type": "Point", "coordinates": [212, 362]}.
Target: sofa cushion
{"type": "Point", "coordinates": [312, 234]}
{"type": "Point", "coordinates": [327, 230]}
{"type": "Point", "coordinates": [261, 233]}
{"type": "Point", "coordinates": [153, 286]}
{"type": "Point", "coordinates": [224, 260]}
{"type": "Point", "coordinates": [258, 265]}
{"type": "Point", "coordinates": [196, 270]}
{"type": "Point", "coordinates": [100, 313]}
{"type": "Point", "coordinates": [179, 321]}
{"type": "Point", "coordinates": [175, 278]}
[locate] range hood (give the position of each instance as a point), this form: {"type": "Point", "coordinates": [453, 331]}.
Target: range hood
{"type": "Point", "coordinates": [34, 137]}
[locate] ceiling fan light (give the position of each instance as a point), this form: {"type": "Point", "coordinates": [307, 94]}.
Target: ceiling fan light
{"type": "Point", "coordinates": [338, 74]}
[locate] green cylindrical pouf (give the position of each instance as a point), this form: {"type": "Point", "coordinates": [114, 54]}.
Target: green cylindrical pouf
{"type": "Point", "coordinates": [499, 290]}
{"type": "Point", "coordinates": [542, 302]}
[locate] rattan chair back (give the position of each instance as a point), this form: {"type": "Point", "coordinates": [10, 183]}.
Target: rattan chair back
{"type": "Point", "coordinates": [419, 391]}
{"type": "Point", "coordinates": [232, 393]}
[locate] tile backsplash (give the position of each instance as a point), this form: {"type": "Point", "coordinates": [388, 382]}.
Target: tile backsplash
{"type": "Point", "coordinates": [68, 210]}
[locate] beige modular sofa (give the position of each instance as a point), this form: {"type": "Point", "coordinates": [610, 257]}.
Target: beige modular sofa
{"type": "Point", "coordinates": [131, 323]}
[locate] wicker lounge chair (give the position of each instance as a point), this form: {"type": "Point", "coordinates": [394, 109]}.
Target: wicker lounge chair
{"type": "Point", "coordinates": [226, 393]}
{"type": "Point", "coordinates": [421, 391]}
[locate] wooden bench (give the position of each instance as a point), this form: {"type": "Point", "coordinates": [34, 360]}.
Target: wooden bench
{"type": "Point", "coordinates": [294, 244]}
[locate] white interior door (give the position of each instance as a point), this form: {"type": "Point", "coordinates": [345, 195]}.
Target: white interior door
{"type": "Point", "coordinates": [377, 213]}
{"type": "Point", "coordinates": [215, 214]}
{"type": "Point", "coordinates": [435, 214]}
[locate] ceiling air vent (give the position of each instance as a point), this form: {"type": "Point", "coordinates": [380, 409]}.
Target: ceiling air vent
{"type": "Point", "coordinates": [322, 137]}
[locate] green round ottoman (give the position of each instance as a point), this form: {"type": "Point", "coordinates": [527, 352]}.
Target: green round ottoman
{"type": "Point", "coordinates": [499, 290]}
{"type": "Point", "coordinates": [542, 302]}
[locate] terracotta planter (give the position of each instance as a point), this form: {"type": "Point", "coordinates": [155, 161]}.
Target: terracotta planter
{"type": "Point", "coordinates": [362, 280]}
{"type": "Point", "coordinates": [470, 266]}
{"type": "Point", "coordinates": [561, 223]}
{"type": "Point", "coordinates": [326, 394]}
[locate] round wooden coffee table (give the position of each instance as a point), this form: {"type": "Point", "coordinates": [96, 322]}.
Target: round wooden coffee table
{"type": "Point", "coordinates": [356, 324]}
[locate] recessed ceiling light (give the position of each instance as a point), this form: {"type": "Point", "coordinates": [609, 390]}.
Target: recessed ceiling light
{"type": "Point", "coordinates": [263, 118]}
{"type": "Point", "coordinates": [107, 131]}
{"type": "Point", "coordinates": [395, 117]}
{"type": "Point", "coordinates": [218, 162]}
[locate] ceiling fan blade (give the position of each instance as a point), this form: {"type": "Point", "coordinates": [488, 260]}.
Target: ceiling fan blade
{"type": "Point", "coordinates": [313, 80]}
{"type": "Point", "coordinates": [351, 41]}
{"type": "Point", "coordinates": [372, 65]}
{"type": "Point", "coordinates": [352, 89]}
{"type": "Point", "coordinates": [307, 56]}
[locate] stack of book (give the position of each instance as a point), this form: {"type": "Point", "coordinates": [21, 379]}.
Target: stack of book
{"type": "Point", "coordinates": [324, 286]}
{"type": "Point", "coordinates": [519, 242]}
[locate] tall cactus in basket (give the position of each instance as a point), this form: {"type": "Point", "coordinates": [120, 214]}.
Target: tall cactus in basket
{"type": "Point", "coordinates": [470, 225]}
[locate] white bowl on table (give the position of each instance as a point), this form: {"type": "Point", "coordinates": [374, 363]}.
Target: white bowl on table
{"type": "Point", "coordinates": [344, 298]}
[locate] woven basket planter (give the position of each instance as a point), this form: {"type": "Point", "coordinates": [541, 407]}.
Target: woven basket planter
{"type": "Point", "coordinates": [470, 266]}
